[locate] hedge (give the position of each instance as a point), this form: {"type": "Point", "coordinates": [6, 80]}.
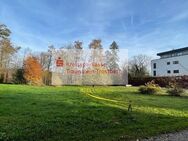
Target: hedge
{"type": "Point", "coordinates": [161, 81]}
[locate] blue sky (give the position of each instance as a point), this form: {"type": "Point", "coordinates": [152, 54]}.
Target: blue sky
{"type": "Point", "coordinates": [141, 26]}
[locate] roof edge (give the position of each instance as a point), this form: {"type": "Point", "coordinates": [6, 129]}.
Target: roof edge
{"type": "Point", "coordinates": [172, 51]}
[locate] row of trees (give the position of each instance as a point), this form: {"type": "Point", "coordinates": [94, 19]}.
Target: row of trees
{"type": "Point", "coordinates": [18, 65]}
{"type": "Point", "coordinates": [7, 54]}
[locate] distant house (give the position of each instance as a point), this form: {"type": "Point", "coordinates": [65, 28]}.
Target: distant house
{"type": "Point", "coordinates": [171, 63]}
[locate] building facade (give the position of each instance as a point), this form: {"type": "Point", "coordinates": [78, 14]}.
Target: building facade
{"type": "Point", "coordinates": [171, 63]}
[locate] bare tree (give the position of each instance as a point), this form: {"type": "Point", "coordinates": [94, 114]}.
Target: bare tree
{"type": "Point", "coordinates": [7, 51]}
{"type": "Point", "coordinates": [95, 44]}
{"type": "Point", "coordinates": [139, 65]}
{"type": "Point", "coordinates": [78, 45]}
{"type": "Point", "coordinates": [45, 59]}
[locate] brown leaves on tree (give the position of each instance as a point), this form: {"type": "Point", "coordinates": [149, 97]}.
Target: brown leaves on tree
{"type": "Point", "coordinates": [32, 71]}
{"type": "Point", "coordinates": [95, 44]}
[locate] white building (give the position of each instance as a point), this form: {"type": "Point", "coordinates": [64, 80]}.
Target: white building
{"type": "Point", "coordinates": [171, 63]}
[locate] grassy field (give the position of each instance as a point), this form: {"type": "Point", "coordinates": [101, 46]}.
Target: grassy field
{"type": "Point", "coordinates": [85, 113]}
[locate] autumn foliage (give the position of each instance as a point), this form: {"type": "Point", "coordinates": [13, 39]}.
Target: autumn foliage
{"type": "Point", "coordinates": [32, 71]}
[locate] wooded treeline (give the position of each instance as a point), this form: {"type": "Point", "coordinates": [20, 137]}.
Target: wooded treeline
{"type": "Point", "coordinates": [21, 65]}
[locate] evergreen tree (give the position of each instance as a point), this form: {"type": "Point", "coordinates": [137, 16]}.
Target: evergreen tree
{"type": "Point", "coordinates": [4, 31]}
{"type": "Point", "coordinates": [113, 59]}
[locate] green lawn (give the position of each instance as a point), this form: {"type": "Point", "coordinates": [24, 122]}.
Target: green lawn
{"type": "Point", "coordinates": [85, 113]}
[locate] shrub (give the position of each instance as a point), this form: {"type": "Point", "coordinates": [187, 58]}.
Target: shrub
{"type": "Point", "coordinates": [18, 77]}
{"type": "Point", "coordinates": [1, 78]}
{"type": "Point", "coordinates": [150, 88]}
{"type": "Point", "coordinates": [174, 89]}
{"type": "Point", "coordinates": [161, 81]}
{"type": "Point", "coordinates": [3, 137]}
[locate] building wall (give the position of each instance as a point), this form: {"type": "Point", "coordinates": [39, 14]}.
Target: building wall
{"type": "Point", "coordinates": [162, 68]}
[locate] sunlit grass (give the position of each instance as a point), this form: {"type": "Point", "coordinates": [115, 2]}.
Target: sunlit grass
{"type": "Point", "coordinates": [87, 113]}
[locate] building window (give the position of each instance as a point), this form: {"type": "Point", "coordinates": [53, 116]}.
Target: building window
{"type": "Point", "coordinates": [176, 71]}
{"type": "Point", "coordinates": [175, 62]}
{"type": "Point", "coordinates": [168, 71]}
{"type": "Point", "coordinates": [168, 63]}
{"type": "Point", "coordinates": [154, 65]}
{"type": "Point", "coordinates": [180, 53]}
{"type": "Point", "coordinates": [154, 73]}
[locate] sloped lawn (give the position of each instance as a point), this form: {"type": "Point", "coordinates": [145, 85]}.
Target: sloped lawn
{"type": "Point", "coordinates": [85, 113]}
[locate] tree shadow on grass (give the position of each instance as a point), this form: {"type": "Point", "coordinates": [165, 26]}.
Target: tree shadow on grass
{"type": "Point", "coordinates": [69, 121]}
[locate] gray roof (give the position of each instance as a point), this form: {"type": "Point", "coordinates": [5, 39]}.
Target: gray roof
{"type": "Point", "coordinates": [173, 51]}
